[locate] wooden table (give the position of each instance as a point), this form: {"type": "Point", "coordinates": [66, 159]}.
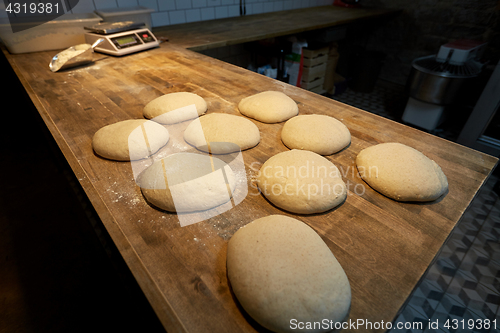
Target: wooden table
{"type": "Point", "coordinates": [384, 246]}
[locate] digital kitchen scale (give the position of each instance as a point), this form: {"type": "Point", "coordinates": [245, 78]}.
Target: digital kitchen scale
{"type": "Point", "coordinates": [121, 38]}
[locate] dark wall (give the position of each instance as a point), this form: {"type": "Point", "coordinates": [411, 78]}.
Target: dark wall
{"type": "Point", "coordinates": [425, 25]}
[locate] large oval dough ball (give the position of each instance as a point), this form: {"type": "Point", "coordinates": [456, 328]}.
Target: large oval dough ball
{"type": "Point", "coordinates": [401, 172]}
{"type": "Point", "coordinates": [222, 133]}
{"type": "Point", "coordinates": [269, 107]}
{"type": "Point", "coordinates": [129, 139]}
{"type": "Point", "coordinates": [318, 133]}
{"type": "Point", "coordinates": [301, 182]}
{"type": "Point", "coordinates": [187, 182]}
{"type": "Point", "coordinates": [280, 269]}
{"type": "Point", "coordinates": [175, 107]}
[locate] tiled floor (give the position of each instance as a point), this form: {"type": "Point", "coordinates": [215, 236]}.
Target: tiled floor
{"type": "Point", "coordinates": [389, 100]}
{"type": "Point", "coordinates": [464, 282]}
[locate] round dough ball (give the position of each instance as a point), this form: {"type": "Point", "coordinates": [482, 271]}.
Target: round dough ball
{"type": "Point", "coordinates": [401, 172]}
{"type": "Point", "coordinates": [175, 107]}
{"type": "Point", "coordinates": [269, 107]}
{"type": "Point", "coordinates": [187, 182]}
{"type": "Point", "coordinates": [222, 133]}
{"type": "Point", "coordinates": [280, 269]}
{"type": "Point", "coordinates": [318, 133]}
{"type": "Point", "coordinates": [301, 182]}
{"type": "Point", "coordinates": [125, 140]}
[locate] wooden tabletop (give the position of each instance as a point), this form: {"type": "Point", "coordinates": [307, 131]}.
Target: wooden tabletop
{"type": "Point", "coordinates": [384, 246]}
{"type": "Point", "coordinates": [198, 36]}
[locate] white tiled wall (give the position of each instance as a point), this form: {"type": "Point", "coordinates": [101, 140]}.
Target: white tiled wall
{"type": "Point", "coordinates": [169, 12]}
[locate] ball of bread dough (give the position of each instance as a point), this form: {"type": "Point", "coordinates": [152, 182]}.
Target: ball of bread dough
{"type": "Point", "coordinates": [222, 133]}
{"type": "Point", "coordinates": [175, 107]}
{"type": "Point", "coordinates": [187, 182]}
{"type": "Point", "coordinates": [318, 133]}
{"type": "Point", "coordinates": [280, 269]}
{"type": "Point", "coordinates": [132, 139]}
{"type": "Point", "coordinates": [301, 182]}
{"type": "Point", "coordinates": [269, 107]}
{"type": "Point", "coordinates": [401, 172]}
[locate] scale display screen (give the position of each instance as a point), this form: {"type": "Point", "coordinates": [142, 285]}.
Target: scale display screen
{"type": "Point", "coordinates": [121, 43]}
{"type": "Point", "coordinates": [126, 40]}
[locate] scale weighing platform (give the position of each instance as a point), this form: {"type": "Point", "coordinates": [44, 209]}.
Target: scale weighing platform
{"type": "Point", "coordinates": [121, 38]}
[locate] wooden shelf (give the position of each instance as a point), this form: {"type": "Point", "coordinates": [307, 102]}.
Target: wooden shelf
{"type": "Point", "coordinates": [203, 35]}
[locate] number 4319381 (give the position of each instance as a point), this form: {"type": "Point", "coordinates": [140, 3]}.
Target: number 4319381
{"type": "Point", "coordinates": [455, 324]}
{"type": "Point", "coordinates": [32, 8]}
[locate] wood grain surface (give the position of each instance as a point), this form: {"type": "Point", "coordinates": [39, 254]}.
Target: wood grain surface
{"type": "Point", "coordinates": [384, 246]}
{"type": "Point", "coordinates": [236, 30]}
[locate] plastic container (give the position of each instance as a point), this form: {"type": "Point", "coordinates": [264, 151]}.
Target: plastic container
{"type": "Point", "coordinates": [134, 14]}
{"type": "Point", "coordinates": [63, 32]}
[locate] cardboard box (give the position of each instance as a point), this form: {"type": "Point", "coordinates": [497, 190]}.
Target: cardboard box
{"type": "Point", "coordinates": [314, 68]}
